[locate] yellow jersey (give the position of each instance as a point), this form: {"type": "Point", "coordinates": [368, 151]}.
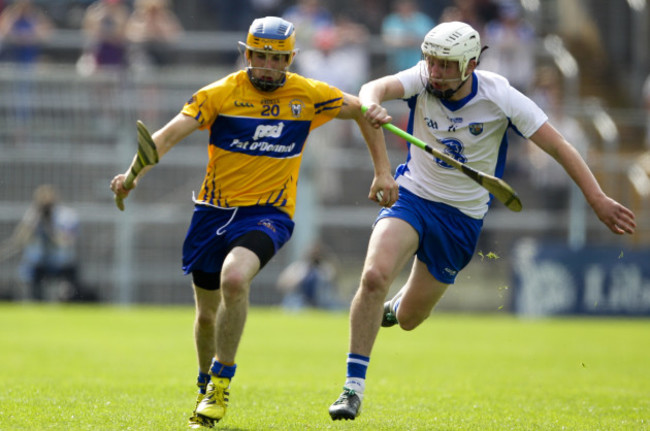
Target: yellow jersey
{"type": "Point", "coordinates": [257, 138]}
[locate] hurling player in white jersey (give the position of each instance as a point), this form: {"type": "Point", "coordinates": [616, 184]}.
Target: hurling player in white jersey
{"type": "Point", "coordinates": [438, 216]}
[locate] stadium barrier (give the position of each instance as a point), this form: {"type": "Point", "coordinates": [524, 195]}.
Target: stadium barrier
{"type": "Point", "coordinates": [77, 131]}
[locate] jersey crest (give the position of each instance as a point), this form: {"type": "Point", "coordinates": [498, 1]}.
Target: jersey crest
{"type": "Point", "coordinates": [475, 128]}
{"type": "Point", "coordinates": [296, 108]}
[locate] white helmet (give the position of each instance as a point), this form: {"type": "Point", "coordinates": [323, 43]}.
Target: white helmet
{"type": "Point", "coordinates": [453, 41]}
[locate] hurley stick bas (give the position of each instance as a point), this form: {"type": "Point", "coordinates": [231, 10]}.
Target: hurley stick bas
{"type": "Point", "coordinates": [147, 155]}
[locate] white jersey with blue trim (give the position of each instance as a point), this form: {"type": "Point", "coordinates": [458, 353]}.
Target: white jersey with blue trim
{"type": "Point", "coordinates": [471, 130]}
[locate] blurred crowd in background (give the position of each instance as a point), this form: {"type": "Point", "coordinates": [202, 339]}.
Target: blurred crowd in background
{"type": "Point", "coordinates": [346, 43]}
{"type": "Point", "coordinates": [140, 34]}
{"type": "Point", "coordinates": [336, 38]}
{"type": "Point", "coordinates": [137, 33]}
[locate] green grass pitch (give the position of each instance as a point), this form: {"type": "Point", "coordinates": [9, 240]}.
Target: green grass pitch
{"type": "Point", "coordinates": [134, 368]}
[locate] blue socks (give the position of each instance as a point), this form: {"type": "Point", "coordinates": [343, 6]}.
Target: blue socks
{"type": "Point", "coordinates": [356, 374]}
{"type": "Point", "coordinates": [357, 365]}
{"type": "Point", "coordinates": [220, 370]}
{"type": "Point", "coordinates": [202, 382]}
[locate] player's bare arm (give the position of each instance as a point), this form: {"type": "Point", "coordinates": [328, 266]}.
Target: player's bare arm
{"type": "Point", "coordinates": [375, 92]}
{"type": "Point", "coordinates": [615, 216]}
{"type": "Point", "coordinates": [168, 136]}
{"type": "Point", "coordinates": [383, 189]}
{"type": "Point", "coordinates": [177, 129]}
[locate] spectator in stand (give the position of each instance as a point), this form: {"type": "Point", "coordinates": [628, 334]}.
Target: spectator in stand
{"type": "Point", "coordinates": [473, 12]}
{"type": "Point", "coordinates": [310, 281]}
{"type": "Point", "coordinates": [469, 13]}
{"type": "Point", "coordinates": [308, 17]}
{"type": "Point", "coordinates": [46, 236]}
{"type": "Point", "coordinates": [512, 45]}
{"type": "Point", "coordinates": [338, 54]}
{"type": "Point", "coordinates": [402, 32]}
{"type": "Point", "coordinates": [369, 13]}
{"type": "Point", "coordinates": [434, 9]}
{"type": "Point", "coordinates": [23, 29]}
{"type": "Point", "coordinates": [151, 29]}
{"type": "Point", "coordinates": [104, 27]}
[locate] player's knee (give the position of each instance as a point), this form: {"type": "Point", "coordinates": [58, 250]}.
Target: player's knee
{"type": "Point", "coordinates": [206, 319]}
{"type": "Point", "coordinates": [408, 322]}
{"type": "Point", "coordinates": [375, 280]}
{"type": "Point", "coordinates": [234, 285]}
{"type": "Point", "coordinates": [409, 325]}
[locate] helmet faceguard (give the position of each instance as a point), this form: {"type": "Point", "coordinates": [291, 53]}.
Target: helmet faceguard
{"type": "Point", "coordinates": [272, 36]}
{"type": "Point", "coordinates": [452, 41]}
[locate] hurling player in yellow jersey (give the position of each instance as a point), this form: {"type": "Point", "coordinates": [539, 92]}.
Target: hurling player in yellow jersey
{"type": "Point", "coordinates": [259, 119]}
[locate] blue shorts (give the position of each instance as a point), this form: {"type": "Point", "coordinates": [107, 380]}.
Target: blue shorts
{"type": "Point", "coordinates": [448, 237]}
{"type": "Point", "coordinates": [213, 230]}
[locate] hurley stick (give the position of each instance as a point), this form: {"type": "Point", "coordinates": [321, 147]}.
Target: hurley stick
{"type": "Point", "coordinates": [147, 155]}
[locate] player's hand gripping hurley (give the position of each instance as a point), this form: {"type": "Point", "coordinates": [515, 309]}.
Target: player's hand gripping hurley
{"type": "Point", "coordinates": [499, 188]}
{"type": "Point", "coordinates": [147, 155]}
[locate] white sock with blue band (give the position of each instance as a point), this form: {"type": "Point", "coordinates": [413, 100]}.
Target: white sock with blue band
{"type": "Point", "coordinates": [357, 365]}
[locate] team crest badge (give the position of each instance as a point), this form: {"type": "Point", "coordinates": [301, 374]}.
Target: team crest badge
{"type": "Point", "coordinates": [296, 108]}
{"type": "Point", "coordinates": [476, 128]}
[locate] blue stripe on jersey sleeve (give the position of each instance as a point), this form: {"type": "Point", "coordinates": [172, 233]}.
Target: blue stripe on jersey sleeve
{"type": "Point", "coordinates": [257, 137]}
{"type": "Point", "coordinates": [327, 105]}
{"type": "Point", "coordinates": [327, 102]}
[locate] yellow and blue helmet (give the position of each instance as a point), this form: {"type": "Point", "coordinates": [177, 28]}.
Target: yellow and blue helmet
{"type": "Point", "coordinates": [270, 35]}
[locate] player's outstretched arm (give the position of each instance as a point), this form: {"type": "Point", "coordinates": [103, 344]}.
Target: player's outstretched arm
{"type": "Point", "coordinates": [164, 139]}
{"type": "Point", "coordinates": [373, 93]}
{"type": "Point", "coordinates": [616, 217]}
{"type": "Point", "coordinates": [383, 189]}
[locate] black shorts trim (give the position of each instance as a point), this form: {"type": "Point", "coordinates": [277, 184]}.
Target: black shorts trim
{"type": "Point", "coordinates": [259, 243]}
{"type": "Point", "coordinates": [206, 280]}
{"type": "Point", "coordinates": [256, 241]}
